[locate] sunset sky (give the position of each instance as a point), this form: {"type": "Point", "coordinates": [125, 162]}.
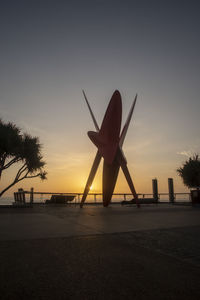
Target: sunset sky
{"type": "Point", "coordinates": [51, 50]}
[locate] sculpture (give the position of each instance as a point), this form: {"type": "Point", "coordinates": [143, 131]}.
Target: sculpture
{"type": "Point", "coordinates": [109, 142]}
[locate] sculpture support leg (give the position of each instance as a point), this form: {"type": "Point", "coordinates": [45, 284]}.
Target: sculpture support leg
{"type": "Point", "coordinates": [91, 177]}
{"type": "Point", "coordinates": [128, 176]}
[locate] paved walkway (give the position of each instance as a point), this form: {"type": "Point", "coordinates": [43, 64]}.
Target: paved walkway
{"type": "Point", "coordinates": [48, 222]}
{"type": "Point", "coordinates": [100, 253]}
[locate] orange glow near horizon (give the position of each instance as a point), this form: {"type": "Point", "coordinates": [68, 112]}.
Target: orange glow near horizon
{"type": "Point", "coordinates": [73, 180]}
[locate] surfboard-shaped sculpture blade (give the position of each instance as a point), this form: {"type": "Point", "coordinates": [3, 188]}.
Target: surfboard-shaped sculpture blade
{"type": "Point", "coordinates": [107, 139]}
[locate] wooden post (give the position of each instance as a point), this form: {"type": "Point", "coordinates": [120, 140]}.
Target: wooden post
{"type": "Point", "coordinates": [20, 195]}
{"type": "Point", "coordinates": [171, 190]}
{"type": "Point", "coordinates": [155, 189]}
{"type": "Point", "coordinates": [15, 197]}
{"type": "Point", "coordinates": [23, 196]}
{"type": "Point", "coordinates": [31, 196]}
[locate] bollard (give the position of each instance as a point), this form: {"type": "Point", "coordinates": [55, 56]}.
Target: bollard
{"type": "Point", "coordinates": [171, 190]}
{"type": "Point", "coordinates": [155, 189]}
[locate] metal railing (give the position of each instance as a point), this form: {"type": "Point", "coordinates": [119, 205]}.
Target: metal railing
{"type": "Point", "coordinates": [95, 198]}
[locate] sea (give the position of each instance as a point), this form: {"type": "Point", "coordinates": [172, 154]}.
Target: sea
{"type": "Point", "coordinates": [8, 200]}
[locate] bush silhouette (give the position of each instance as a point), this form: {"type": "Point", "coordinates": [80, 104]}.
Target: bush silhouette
{"type": "Point", "coordinates": [190, 172]}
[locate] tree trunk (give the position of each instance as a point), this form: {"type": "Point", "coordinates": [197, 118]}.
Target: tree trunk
{"type": "Point", "coordinates": [7, 188]}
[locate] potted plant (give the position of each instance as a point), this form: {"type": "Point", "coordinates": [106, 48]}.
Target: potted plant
{"type": "Point", "coordinates": [190, 173]}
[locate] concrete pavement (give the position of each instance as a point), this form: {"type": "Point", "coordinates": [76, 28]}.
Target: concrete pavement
{"type": "Point", "coordinates": [100, 253]}
{"type": "Point", "coordinates": [48, 222]}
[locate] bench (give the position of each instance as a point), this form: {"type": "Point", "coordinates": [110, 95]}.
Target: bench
{"type": "Point", "coordinates": [60, 199]}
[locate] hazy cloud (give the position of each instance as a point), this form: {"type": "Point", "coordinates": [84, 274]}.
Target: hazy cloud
{"type": "Point", "coordinates": [185, 153]}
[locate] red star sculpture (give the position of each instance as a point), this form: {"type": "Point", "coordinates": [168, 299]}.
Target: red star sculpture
{"type": "Point", "coordinates": [109, 141]}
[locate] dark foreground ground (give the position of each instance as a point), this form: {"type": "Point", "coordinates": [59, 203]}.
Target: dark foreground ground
{"type": "Point", "coordinates": [154, 263]}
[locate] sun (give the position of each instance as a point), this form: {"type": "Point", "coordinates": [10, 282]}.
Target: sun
{"type": "Point", "coordinates": [91, 187]}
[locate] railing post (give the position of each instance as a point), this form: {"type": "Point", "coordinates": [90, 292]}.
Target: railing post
{"type": "Point", "coordinates": [31, 196]}
{"type": "Point", "coordinates": [15, 197]}
{"type": "Point", "coordinates": [78, 198]}
{"type": "Point", "coordinates": [155, 189]}
{"type": "Point", "coordinates": [19, 195]}
{"type": "Point", "coordinates": [22, 198]}
{"type": "Point", "coordinates": [171, 190]}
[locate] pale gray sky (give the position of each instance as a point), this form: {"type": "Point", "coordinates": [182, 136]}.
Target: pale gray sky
{"type": "Point", "coordinates": [51, 50]}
